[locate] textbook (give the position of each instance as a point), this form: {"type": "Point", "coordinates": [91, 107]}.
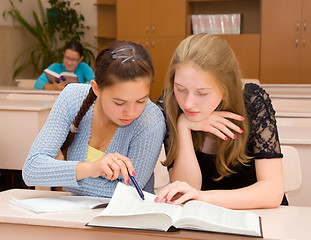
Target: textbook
{"type": "Point", "coordinates": [127, 210]}
{"type": "Point", "coordinates": [60, 204]}
{"type": "Point", "coordinates": [68, 76]}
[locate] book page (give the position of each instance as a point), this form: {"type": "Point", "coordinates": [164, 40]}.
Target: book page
{"type": "Point", "coordinates": [50, 75]}
{"type": "Point", "coordinates": [126, 201]}
{"type": "Point", "coordinates": [205, 216]}
{"type": "Point", "coordinates": [60, 204]}
{"type": "Point", "coordinates": [70, 77]}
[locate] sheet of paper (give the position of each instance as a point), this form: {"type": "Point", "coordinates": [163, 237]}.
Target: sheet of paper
{"type": "Point", "coordinates": [59, 204]}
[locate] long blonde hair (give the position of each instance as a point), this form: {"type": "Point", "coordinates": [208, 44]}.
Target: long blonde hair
{"type": "Point", "coordinates": [213, 54]}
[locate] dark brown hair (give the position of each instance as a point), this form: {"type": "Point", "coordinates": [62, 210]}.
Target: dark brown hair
{"type": "Point", "coordinates": [119, 62]}
{"type": "Point", "coordinates": [75, 46]}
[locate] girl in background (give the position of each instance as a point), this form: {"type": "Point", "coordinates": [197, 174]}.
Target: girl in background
{"type": "Point", "coordinates": [73, 56]}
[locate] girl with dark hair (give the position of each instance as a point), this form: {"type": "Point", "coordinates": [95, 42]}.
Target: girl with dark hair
{"type": "Point", "coordinates": [73, 56]}
{"type": "Point", "coordinates": [105, 130]}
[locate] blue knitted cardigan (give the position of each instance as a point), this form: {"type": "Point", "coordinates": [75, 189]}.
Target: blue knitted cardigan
{"type": "Point", "coordinates": [140, 141]}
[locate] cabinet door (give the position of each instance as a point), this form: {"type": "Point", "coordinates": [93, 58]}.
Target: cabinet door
{"type": "Point", "coordinates": [144, 41]}
{"type": "Point", "coordinates": [280, 35]}
{"type": "Point", "coordinates": [162, 50]}
{"type": "Point", "coordinates": [168, 18]}
{"type": "Point", "coordinates": [247, 50]}
{"type": "Point", "coordinates": [305, 70]}
{"type": "Point", "coordinates": [133, 18]}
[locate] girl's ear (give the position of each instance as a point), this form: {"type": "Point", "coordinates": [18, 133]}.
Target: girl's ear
{"type": "Point", "coordinates": [81, 59]}
{"type": "Point", "coordinates": [95, 87]}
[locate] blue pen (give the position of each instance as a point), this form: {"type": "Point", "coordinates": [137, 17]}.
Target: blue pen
{"type": "Point", "coordinates": [140, 192]}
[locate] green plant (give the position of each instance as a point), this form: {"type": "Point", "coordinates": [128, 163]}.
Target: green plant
{"type": "Point", "coordinates": [53, 27]}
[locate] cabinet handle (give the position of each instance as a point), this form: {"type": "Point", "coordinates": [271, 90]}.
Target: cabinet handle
{"type": "Point", "coordinates": [303, 42]}
{"type": "Point", "coordinates": [304, 25]}
{"type": "Point", "coordinates": [153, 44]}
{"type": "Point", "coordinates": [147, 44]}
{"type": "Point", "coordinates": [153, 29]}
{"type": "Point", "coordinates": [297, 42]}
{"type": "Point", "coordinates": [297, 26]}
{"type": "Point", "coordinates": [147, 29]}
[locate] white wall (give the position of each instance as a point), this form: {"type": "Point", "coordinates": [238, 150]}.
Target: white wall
{"type": "Point", "coordinates": [86, 7]}
{"type": "Point", "coordinates": [13, 38]}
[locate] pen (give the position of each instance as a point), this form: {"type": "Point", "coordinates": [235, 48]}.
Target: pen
{"type": "Point", "coordinates": [140, 192]}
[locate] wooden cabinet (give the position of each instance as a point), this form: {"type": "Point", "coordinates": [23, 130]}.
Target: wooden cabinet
{"type": "Point", "coordinates": [274, 45]}
{"type": "Point", "coordinates": [106, 22]}
{"type": "Point", "coordinates": [150, 17]}
{"type": "Point", "coordinates": [159, 25]}
{"type": "Point", "coordinates": [286, 41]}
{"type": "Point", "coordinates": [245, 45]}
{"type": "Point", "coordinates": [133, 18]}
{"type": "Point", "coordinates": [305, 37]}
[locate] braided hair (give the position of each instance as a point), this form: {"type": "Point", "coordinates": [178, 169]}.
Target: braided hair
{"type": "Point", "coordinates": [120, 62]}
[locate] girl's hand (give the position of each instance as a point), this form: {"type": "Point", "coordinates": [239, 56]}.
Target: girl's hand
{"type": "Point", "coordinates": [110, 166]}
{"type": "Point", "coordinates": [59, 84]}
{"type": "Point", "coordinates": [178, 193]}
{"type": "Point", "coordinates": [216, 123]}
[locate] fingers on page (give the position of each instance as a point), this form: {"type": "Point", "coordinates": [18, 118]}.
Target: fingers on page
{"type": "Point", "coordinates": [163, 193]}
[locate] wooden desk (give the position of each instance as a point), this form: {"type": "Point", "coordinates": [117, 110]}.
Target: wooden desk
{"type": "Point", "coordinates": [20, 122]}
{"type": "Point", "coordinates": [292, 106]}
{"type": "Point", "coordinates": [17, 93]}
{"type": "Point", "coordinates": [287, 89]}
{"type": "Point", "coordinates": [299, 136]}
{"type": "Point", "coordinates": [279, 223]}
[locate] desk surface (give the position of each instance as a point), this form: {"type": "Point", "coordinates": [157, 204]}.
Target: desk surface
{"type": "Point", "coordinates": [295, 135]}
{"type": "Point", "coordinates": [25, 105]}
{"type": "Point", "coordinates": [293, 114]}
{"type": "Point", "coordinates": [289, 95]}
{"type": "Point", "coordinates": [279, 223]}
{"type": "Point", "coordinates": [267, 85]}
{"type": "Point", "coordinates": [288, 90]}
{"type": "Point", "coordinates": [19, 90]}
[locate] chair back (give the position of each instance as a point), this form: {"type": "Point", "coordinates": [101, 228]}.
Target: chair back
{"type": "Point", "coordinates": [291, 168]}
{"type": "Point", "coordinates": [161, 177]}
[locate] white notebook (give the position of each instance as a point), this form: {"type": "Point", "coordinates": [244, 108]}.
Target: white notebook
{"type": "Point", "coordinates": [60, 204]}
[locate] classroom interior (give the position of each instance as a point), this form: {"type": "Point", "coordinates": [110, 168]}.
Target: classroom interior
{"type": "Point", "coordinates": [273, 46]}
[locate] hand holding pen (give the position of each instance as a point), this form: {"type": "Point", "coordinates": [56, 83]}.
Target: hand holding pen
{"type": "Point", "coordinates": [109, 166]}
{"type": "Point", "coordinates": [132, 177]}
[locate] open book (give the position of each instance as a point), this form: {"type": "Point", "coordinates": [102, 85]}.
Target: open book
{"type": "Point", "coordinates": [60, 204]}
{"type": "Point", "coordinates": [127, 210]}
{"type": "Point", "coordinates": [68, 76]}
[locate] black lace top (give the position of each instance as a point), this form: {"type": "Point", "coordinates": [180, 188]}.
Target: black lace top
{"type": "Point", "coordinates": [263, 143]}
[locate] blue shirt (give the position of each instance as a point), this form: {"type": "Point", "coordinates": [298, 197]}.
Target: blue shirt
{"type": "Point", "coordinates": [140, 141]}
{"type": "Point", "coordinates": [83, 71]}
